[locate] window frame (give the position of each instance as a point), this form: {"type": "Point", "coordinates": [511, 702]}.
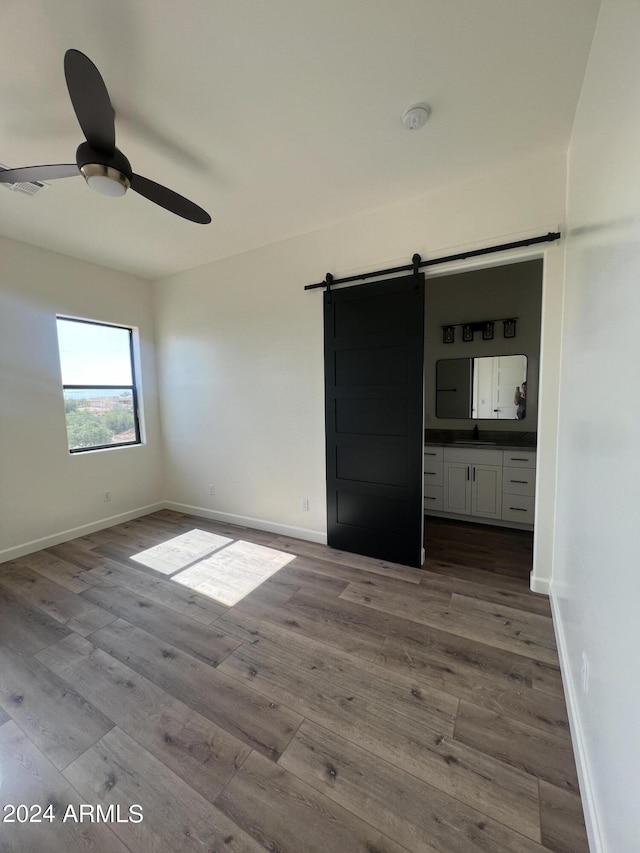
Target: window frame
{"type": "Point", "coordinates": [133, 388]}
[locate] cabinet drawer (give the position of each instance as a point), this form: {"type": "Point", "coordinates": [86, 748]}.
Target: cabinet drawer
{"type": "Point", "coordinates": [433, 498]}
{"type": "Point", "coordinates": [520, 458]}
{"type": "Point", "coordinates": [432, 454]}
{"type": "Point", "coordinates": [518, 508]}
{"type": "Point", "coordinates": [433, 473]}
{"type": "Point", "coordinates": [519, 481]}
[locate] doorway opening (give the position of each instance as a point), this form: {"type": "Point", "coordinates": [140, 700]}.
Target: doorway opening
{"type": "Point", "coordinates": [482, 498]}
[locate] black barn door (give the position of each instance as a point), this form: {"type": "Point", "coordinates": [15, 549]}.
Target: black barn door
{"type": "Point", "coordinates": [374, 351]}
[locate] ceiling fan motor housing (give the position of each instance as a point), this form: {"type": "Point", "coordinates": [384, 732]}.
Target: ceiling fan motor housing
{"type": "Point", "coordinates": [108, 174]}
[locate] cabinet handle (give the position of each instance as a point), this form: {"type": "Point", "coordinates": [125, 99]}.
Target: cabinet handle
{"type": "Point", "coordinates": [517, 509]}
{"type": "Point", "coordinates": [518, 459]}
{"type": "Point", "coordinates": [429, 498]}
{"type": "Point", "coordinates": [524, 482]}
{"type": "Point", "coordinates": [430, 453]}
{"type": "Point", "coordinates": [474, 473]}
{"type": "Point", "coordinates": [468, 472]}
{"type": "Point", "coordinates": [430, 474]}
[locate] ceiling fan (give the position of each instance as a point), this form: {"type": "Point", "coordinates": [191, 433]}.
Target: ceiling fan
{"type": "Point", "coordinates": [103, 166]}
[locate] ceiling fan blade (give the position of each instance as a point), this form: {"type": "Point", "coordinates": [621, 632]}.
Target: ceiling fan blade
{"type": "Point", "coordinates": [90, 101]}
{"type": "Point", "coordinates": [38, 173]}
{"type": "Point", "coordinates": [169, 200]}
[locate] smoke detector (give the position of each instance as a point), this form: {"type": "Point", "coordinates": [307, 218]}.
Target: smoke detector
{"type": "Point", "coordinates": [416, 116]}
{"type": "Point", "coordinates": [26, 187]}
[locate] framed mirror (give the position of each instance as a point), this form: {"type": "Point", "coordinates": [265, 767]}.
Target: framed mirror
{"type": "Point", "coordinates": [487, 388]}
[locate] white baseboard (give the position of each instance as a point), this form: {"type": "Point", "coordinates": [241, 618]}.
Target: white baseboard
{"type": "Point", "coordinates": [540, 585]}
{"type": "Point", "coordinates": [248, 521]}
{"type": "Point", "coordinates": [592, 823]}
{"type": "Point", "coordinates": [102, 524]}
{"type": "Point", "coordinates": [75, 532]}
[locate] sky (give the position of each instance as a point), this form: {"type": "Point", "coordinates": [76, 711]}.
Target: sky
{"type": "Point", "coordinates": [93, 354]}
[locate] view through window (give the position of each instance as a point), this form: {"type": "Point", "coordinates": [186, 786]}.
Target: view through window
{"type": "Point", "coordinates": [98, 378]}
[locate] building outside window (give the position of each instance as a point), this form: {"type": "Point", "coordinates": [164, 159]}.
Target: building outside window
{"type": "Point", "coordinates": [99, 384]}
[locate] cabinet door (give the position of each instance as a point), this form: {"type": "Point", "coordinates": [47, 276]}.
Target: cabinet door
{"type": "Point", "coordinates": [457, 488]}
{"type": "Point", "coordinates": [486, 491]}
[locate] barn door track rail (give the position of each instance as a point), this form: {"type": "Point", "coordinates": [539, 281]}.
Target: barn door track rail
{"type": "Point", "coordinates": [417, 263]}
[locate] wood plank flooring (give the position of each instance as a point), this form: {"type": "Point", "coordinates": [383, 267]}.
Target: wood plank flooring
{"type": "Point", "coordinates": [346, 705]}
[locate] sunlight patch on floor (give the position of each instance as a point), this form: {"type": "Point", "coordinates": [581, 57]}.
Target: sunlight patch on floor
{"type": "Point", "coordinates": [234, 572]}
{"type": "Point", "coordinates": [180, 551]}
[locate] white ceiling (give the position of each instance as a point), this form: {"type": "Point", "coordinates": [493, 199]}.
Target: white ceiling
{"type": "Point", "coordinates": [277, 116]}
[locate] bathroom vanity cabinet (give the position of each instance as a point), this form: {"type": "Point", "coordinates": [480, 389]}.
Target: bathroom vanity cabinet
{"type": "Point", "coordinates": [490, 485]}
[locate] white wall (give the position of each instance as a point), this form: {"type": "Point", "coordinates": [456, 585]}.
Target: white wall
{"type": "Point", "coordinates": [240, 345]}
{"type": "Point", "coordinates": [596, 581]}
{"type": "Point", "coordinates": [44, 491]}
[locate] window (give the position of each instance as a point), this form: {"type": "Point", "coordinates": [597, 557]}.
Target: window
{"type": "Point", "coordinates": [98, 380]}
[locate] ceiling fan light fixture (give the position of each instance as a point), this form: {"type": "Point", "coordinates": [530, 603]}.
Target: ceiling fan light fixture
{"type": "Point", "coordinates": [105, 179]}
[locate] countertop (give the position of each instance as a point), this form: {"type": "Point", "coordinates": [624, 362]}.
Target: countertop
{"type": "Point", "coordinates": [488, 440]}
{"type": "Point", "coordinates": [479, 445]}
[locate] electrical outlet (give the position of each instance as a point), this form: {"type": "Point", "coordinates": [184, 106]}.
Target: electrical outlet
{"type": "Point", "coordinates": [304, 504]}
{"type": "Point", "coordinates": [584, 673]}
{"type": "Point", "coordinates": [212, 489]}
{"type": "Point", "coordinates": [106, 496]}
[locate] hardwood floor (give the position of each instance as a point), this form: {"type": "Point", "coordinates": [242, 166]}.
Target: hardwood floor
{"type": "Point", "coordinates": [345, 705]}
